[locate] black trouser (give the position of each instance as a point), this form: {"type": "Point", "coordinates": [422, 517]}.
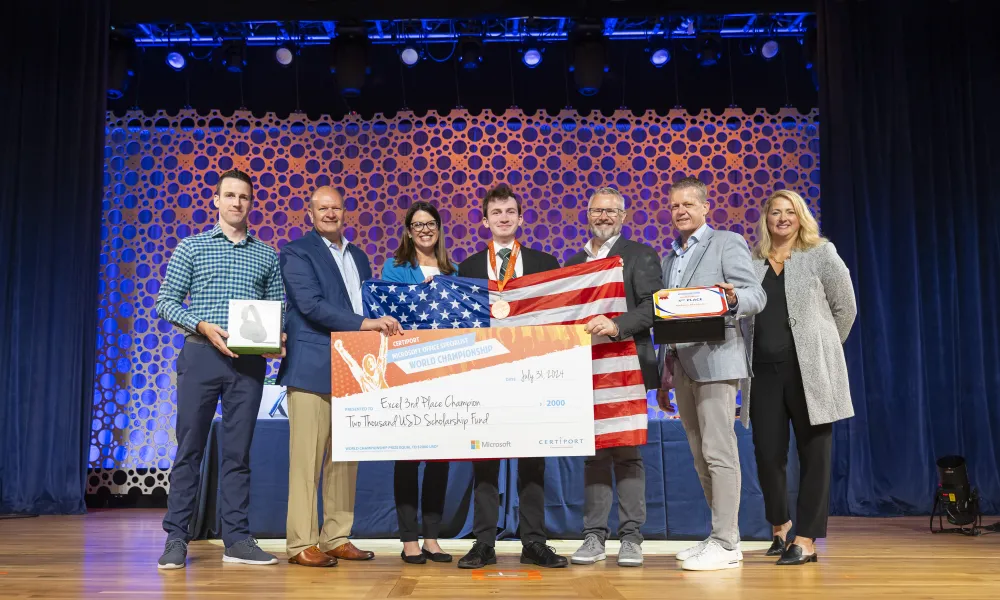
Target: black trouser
{"type": "Point", "coordinates": [406, 489]}
{"type": "Point", "coordinates": [531, 500]}
{"type": "Point", "coordinates": [203, 373]}
{"type": "Point", "coordinates": [777, 396]}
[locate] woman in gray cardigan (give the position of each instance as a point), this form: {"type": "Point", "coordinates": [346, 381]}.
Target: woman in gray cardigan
{"type": "Point", "coordinates": [809, 312]}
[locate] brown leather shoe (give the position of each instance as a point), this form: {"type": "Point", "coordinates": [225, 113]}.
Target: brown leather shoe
{"type": "Point", "coordinates": [313, 557]}
{"type": "Point", "coordinates": [349, 551]}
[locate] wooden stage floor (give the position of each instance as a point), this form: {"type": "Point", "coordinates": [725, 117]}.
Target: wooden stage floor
{"type": "Point", "coordinates": [112, 554]}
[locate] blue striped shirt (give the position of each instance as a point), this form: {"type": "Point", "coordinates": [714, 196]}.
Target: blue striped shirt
{"type": "Point", "coordinates": [214, 270]}
{"type": "Point", "coordinates": [349, 272]}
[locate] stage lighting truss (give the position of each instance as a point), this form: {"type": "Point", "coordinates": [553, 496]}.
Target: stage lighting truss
{"type": "Point", "coordinates": [537, 30]}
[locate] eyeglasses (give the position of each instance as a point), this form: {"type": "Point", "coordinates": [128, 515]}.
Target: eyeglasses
{"type": "Point", "coordinates": [611, 212]}
{"type": "Point", "coordinates": [428, 226]}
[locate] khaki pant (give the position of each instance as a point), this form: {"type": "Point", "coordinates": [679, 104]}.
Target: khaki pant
{"type": "Point", "coordinates": [708, 414]}
{"type": "Point", "coordinates": [308, 446]}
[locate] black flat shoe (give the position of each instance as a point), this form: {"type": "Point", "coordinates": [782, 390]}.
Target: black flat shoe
{"type": "Point", "coordinates": [441, 557]}
{"type": "Point", "coordinates": [413, 560]}
{"type": "Point", "coordinates": [777, 547]}
{"type": "Point", "coordinates": [793, 556]}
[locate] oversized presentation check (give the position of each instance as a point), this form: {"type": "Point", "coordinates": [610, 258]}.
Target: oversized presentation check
{"type": "Point", "coordinates": [462, 394]}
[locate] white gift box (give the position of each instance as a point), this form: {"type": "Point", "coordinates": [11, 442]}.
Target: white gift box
{"type": "Point", "coordinates": [254, 326]}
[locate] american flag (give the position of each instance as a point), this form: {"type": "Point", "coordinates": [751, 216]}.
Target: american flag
{"type": "Point", "coordinates": [567, 296]}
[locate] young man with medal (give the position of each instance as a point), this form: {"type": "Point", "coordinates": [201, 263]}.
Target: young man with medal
{"type": "Point", "coordinates": [505, 259]}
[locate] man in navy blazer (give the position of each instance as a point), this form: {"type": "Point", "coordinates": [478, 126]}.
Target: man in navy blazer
{"type": "Point", "coordinates": [322, 273]}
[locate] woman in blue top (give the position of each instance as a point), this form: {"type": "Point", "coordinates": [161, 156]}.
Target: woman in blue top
{"type": "Point", "coordinates": [420, 256]}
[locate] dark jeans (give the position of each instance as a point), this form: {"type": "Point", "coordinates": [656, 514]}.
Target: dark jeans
{"type": "Point", "coordinates": [777, 397]}
{"type": "Point", "coordinates": [406, 488]}
{"type": "Point", "coordinates": [202, 375]}
{"type": "Point", "coordinates": [531, 500]}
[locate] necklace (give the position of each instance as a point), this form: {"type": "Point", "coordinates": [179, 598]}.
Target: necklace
{"type": "Point", "coordinates": [773, 257]}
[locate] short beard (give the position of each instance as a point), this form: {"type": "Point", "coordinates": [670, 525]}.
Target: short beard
{"type": "Point", "coordinates": [613, 231]}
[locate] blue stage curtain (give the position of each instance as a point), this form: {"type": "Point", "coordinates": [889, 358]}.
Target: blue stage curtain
{"type": "Point", "coordinates": [909, 94]}
{"type": "Point", "coordinates": [51, 163]}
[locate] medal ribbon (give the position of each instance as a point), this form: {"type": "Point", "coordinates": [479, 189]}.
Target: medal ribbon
{"type": "Point", "coordinates": [510, 264]}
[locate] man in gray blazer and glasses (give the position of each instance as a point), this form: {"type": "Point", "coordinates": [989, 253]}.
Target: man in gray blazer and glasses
{"type": "Point", "coordinates": [705, 376]}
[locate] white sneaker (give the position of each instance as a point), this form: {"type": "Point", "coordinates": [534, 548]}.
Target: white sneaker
{"type": "Point", "coordinates": [713, 558]}
{"type": "Point", "coordinates": [689, 552]}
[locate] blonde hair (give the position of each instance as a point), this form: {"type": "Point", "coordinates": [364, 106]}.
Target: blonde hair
{"type": "Point", "coordinates": [808, 236]}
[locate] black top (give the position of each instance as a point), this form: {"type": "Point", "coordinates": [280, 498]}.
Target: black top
{"type": "Point", "coordinates": [772, 340]}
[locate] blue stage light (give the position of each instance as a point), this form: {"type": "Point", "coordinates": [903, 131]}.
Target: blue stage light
{"type": "Point", "coordinates": [470, 54]}
{"type": "Point", "coordinates": [660, 57]}
{"type": "Point", "coordinates": [709, 49]}
{"type": "Point", "coordinates": [409, 56]}
{"type": "Point", "coordinates": [532, 58]}
{"type": "Point", "coordinates": [234, 56]}
{"type": "Point", "coordinates": [176, 61]}
{"type": "Point", "coordinates": [770, 49]}
{"type": "Point", "coordinates": [284, 56]}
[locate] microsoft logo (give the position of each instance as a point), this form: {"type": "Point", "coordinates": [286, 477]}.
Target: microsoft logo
{"type": "Point", "coordinates": [479, 444]}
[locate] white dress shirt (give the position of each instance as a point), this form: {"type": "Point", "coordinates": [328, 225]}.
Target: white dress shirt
{"type": "Point", "coordinates": [518, 267]}
{"type": "Point", "coordinates": [349, 271]}
{"type": "Point", "coordinates": [604, 250]}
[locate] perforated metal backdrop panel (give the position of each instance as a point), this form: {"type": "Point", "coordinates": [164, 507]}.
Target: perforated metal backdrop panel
{"type": "Point", "coordinates": [160, 172]}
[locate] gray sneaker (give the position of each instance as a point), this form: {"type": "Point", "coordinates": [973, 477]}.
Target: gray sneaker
{"type": "Point", "coordinates": [174, 555]}
{"type": "Point", "coordinates": [630, 555]}
{"type": "Point", "coordinates": [590, 552]}
{"type": "Point", "coordinates": [247, 552]}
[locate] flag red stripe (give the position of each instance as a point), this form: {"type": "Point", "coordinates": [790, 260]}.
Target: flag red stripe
{"type": "Point", "coordinates": [614, 289]}
{"type": "Point", "coordinates": [613, 350]}
{"type": "Point", "coordinates": [584, 320]}
{"type": "Point", "coordinates": [634, 437]}
{"type": "Point", "coordinates": [619, 379]}
{"type": "Point", "coordinates": [594, 266]}
{"type": "Point", "coordinates": [602, 288]}
{"type": "Point", "coordinates": [626, 408]}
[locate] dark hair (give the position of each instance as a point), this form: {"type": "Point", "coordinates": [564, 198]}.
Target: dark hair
{"type": "Point", "coordinates": [691, 183]}
{"type": "Point", "coordinates": [500, 192]}
{"type": "Point", "coordinates": [407, 251]}
{"type": "Point", "coordinates": [234, 174]}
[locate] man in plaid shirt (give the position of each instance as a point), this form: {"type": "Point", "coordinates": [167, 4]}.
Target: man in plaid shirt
{"type": "Point", "coordinates": [222, 264]}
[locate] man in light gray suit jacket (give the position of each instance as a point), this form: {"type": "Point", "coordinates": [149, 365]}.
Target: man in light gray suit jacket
{"type": "Point", "coordinates": [706, 375]}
